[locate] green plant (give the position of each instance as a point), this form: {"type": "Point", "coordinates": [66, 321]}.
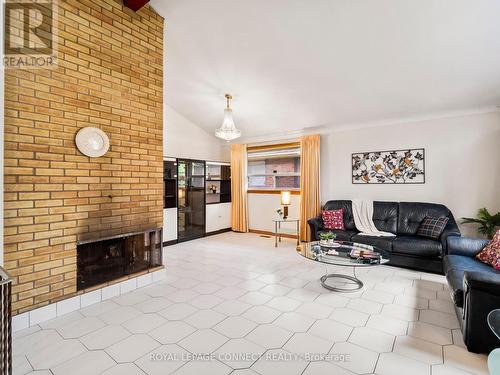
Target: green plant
{"type": "Point", "coordinates": [487, 222]}
{"type": "Point", "coordinates": [324, 236]}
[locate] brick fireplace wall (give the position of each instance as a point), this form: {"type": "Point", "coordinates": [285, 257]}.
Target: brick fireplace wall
{"type": "Point", "coordinates": [110, 76]}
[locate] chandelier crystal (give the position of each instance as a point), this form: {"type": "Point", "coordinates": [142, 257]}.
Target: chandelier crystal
{"type": "Point", "coordinates": [228, 130]}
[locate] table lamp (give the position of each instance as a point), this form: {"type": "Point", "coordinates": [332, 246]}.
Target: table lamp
{"type": "Point", "coordinates": [286, 200]}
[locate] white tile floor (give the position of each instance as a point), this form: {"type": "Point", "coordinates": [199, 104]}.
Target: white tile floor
{"type": "Point", "coordinates": [257, 310]}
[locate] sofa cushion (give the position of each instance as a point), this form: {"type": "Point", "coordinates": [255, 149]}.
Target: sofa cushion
{"type": "Point", "coordinates": [333, 219]}
{"type": "Point", "coordinates": [341, 235]}
{"type": "Point", "coordinates": [384, 243]}
{"type": "Point", "coordinates": [455, 266]}
{"type": "Point", "coordinates": [385, 216]}
{"type": "Point", "coordinates": [347, 206]}
{"type": "Point", "coordinates": [411, 214]}
{"type": "Point", "coordinates": [418, 246]}
{"type": "Point", "coordinates": [491, 252]}
{"type": "Point", "coordinates": [432, 227]}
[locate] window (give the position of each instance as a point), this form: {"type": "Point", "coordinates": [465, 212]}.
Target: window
{"type": "Point", "coordinates": [274, 168]}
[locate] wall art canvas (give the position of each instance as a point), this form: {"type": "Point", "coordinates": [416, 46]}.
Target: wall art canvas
{"type": "Point", "coordinates": [389, 167]}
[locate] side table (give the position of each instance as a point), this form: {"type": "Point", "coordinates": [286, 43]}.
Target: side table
{"type": "Point", "coordinates": [278, 231]}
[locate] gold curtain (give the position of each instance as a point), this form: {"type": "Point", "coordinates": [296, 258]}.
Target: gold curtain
{"type": "Point", "coordinates": [239, 210]}
{"type": "Point", "coordinates": [310, 202]}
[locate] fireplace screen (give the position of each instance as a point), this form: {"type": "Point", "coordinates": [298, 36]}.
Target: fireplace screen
{"type": "Point", "coordinates": [107, 259]}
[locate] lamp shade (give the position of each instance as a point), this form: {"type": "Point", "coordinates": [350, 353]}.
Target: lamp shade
{"type": "Point", "coordinates": [286, 198]}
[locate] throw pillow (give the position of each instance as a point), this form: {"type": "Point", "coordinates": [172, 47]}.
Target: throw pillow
{"type": "Point", "coordinates": [333, 219]}
{"type": "Point", "coordinates": [491, 252]}
{"type": "Point", "coordinates": [432, 227]}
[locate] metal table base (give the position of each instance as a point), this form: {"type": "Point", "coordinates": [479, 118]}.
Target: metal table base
{"type": "Point", "coordinates": [354, 281]}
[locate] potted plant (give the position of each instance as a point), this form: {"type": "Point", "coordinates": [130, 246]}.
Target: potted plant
{"type": "Point", "coordinates": [488, 223]}
{"type": "Point", "coordinates": [327, 237]}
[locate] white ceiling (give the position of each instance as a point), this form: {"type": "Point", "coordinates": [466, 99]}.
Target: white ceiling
{"type": "Point", "coordinates": [297, 65]}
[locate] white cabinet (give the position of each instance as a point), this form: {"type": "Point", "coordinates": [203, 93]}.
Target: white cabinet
{"type": "Point", "coordinates": [169, 224]}
{"type": "Point", "coordinates": [218, 217]}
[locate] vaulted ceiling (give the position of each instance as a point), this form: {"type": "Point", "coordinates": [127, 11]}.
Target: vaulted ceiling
{"type": "Point", "coordinates": [295, 64]}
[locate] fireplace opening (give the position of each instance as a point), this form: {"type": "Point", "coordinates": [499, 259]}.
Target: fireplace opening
{"type": "Point", "coordinates": [108, 259]}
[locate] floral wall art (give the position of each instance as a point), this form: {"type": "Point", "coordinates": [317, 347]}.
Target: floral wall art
{"type": "Point", "coordinates": [389, 167]}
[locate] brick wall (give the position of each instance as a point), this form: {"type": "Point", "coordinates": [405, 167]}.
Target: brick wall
{"type": "Point", "coordinates": [109, 75]}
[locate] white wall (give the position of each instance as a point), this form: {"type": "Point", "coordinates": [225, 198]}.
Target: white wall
{"type": "Point", "coordinates": [262, 210]}
{"type": "Point", "coordinates": [462, 163]}
{"type": "Point", "coordinates": [184, 139]}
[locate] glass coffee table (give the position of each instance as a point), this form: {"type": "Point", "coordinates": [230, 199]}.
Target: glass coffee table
{"type": "Point", "coordinates": [345, 254]}
{"type": "Point", "coordinates": [494, 357]}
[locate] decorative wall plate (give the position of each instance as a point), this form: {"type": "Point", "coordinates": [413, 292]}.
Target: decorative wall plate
{"type": "Point", "coordinates": [92, 142]}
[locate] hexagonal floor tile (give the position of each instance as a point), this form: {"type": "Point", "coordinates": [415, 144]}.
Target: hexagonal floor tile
{"type": "Point", "coordinates": [360, 360]}
{"type": "Point", "coordinates": [307, 345]}
{"type": "Point", "coordinates": [178, 311]}
{"type": "Point", "coordinates": [212, 367]}
{"type": "Point", "coordinates": [232, 307]}
{"type": "Point", "coordinates": [239, 353]}
{"type": "Point", "coordinates": [269, 336]}
{"type": "Point", "coordinates": [294, 322]}
{"type": "Point", "coordinates": [163, 360]}
{"type": "Point", "coordinates": [172, 332]}
{"type": "Point", "coordinates": [235, 327]}
{"type": "Point", "coordinates": [54, 354]}
{"type": "Point", "coordinates": [372, 339]}
{"type": "Point", "coordinates": [88, 363]}
{"type": "Point", "coordinates": [104, 337]}
{"type": "Point", "coordinates": [144, 323]}
{"type": "Point", "coordinates": [349, 317]}
{"type": "Point", "coordinates": [124, 369]}
{"type": "Point", "coordinates": [420, 350]}
{"type": "Point", "coordinates": [203, 341]}
{"type": "Point", "coordinates": [205, 318]}
{"type": "Point", "coordinates": [429, 332]}
{"type": "Point", "coordinates": [132, 348]}
{"type": "Point", "coordinates": [388, 324]}
{"type": "Point", "coordinates": [394, 364]}
{"type": "Point", "coordinates": [330, 330]}
{"type": "Point", "coordinates": [261, 314]}
{"type": "Point", "coordinates": [279, 362]}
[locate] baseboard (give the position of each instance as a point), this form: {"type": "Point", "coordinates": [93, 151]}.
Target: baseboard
{"type": "Point", "coordinates": [267, 233]}
{"type": "Point", "coordinates": [220, 231]}
{"type": "Point", "coordinates": [169, 243]}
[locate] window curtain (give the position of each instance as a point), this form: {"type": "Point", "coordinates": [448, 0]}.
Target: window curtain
{"type": "Point", "coordinates": [310, 202]}
{"type": "Point", "coordinates": [239, 209]}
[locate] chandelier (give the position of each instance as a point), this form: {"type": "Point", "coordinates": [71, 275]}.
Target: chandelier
{"type": "Point", "coordinates": [228, 130]}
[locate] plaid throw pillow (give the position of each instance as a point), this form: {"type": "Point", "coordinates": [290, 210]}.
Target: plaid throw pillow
{"type": "Point", "coordinates": [491, 252]}
{"type": "Point", "coordinates": [432, 227]}
{"type": "Point", "coordinates": [333, 219]}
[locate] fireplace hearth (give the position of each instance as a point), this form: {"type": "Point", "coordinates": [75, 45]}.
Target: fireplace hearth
{"type": "Point", "coordinates": [107, 259]}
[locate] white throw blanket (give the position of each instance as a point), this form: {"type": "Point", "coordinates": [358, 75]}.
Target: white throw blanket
{"type": "Point", "coordinates": [363, 219]}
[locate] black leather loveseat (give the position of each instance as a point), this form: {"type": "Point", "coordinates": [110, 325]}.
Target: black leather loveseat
{"type": "Point", "coordinates": [475, 288]}
{"type": "Point", "coordinates": [402, 219]}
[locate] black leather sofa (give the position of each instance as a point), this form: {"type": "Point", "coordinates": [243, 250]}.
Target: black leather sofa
{"type": "Point", "coordinates": [402, 219]}
{"type": "Point", "coordinates": [475, 290]}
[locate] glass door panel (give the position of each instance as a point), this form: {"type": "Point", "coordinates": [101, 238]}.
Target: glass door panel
{"type": "Point", "coordinates": [191, 208]}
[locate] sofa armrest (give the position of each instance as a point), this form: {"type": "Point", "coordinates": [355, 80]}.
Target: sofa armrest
{"type": "Point", "coordinates": [316, 225]}
{"type": "Point", "coordinates": [451, 230]}
{"type": "Point", "coordinates": [488, 282]}
{"type": "Point", "coordinates": [481, 296]}
{"type": "Point", "coordinates": [465, 246]}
